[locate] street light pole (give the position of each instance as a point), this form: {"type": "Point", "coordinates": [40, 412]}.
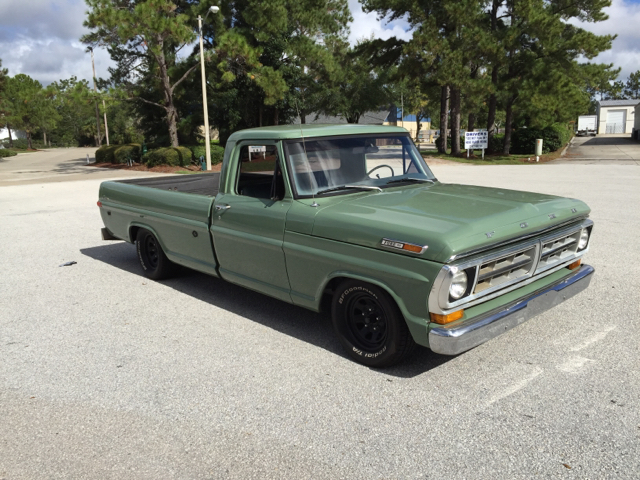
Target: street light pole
{"type": "Point", "coordinates": [104, 107]}
{"type": "Point", "coordinates": [95, 90]}
{"type": "Point", "coordinates": [207, 141]}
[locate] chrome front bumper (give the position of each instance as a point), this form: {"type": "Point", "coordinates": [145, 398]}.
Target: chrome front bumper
{"type": "Point", "coordinates": [455, 339]}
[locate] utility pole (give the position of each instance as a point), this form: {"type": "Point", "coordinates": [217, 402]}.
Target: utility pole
{"type": "Point", "coordinates": [106, 128]}
{"type": "Point", "coordinates": [207, 141]}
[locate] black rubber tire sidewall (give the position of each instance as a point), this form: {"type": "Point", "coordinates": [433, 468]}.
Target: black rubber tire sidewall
{"type": "Point", "coordinates": [164, 267]}
{"type": "Point", "coordinates": [398, 343]}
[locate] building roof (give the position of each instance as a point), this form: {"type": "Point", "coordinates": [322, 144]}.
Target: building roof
{"type": "Point", "coordinates": [367, 118]}
{"type": "Point", "coordinates": [281, 132]}
{"type": "Point", "coordinates": [619, 103]}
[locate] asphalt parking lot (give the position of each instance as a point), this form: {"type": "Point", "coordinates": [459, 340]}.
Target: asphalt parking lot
{"type": "Point", "coordinates": [105, 374]}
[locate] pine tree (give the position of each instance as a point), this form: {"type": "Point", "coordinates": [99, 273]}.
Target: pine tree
{"type": "Point", "coordinates": [146, 36]}
{"type": "Point", "coordinates": [632, 87]}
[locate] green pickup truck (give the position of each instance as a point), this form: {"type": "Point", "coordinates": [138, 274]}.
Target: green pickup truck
{"type": "Point", "coordinates": [351, 218]}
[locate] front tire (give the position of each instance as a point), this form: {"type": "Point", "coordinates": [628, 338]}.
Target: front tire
{"type": "Point", "coordinates": [370, 325]}
{"type": "Point", "coordinates": [153, 260]}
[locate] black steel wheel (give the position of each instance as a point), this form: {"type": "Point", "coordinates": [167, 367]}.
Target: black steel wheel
{"type": "Point", "coordinates": [370, 325]}
{"type": "Point", "coordinates": [154, 262]}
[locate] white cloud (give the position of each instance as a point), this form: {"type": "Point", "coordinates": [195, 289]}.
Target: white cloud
{"type": "Point", "coordinates": [624, 20]}
{"type": "Point", "coordinates": [367, 25]}
{"type": "Point", "coordinates": [41, 39]}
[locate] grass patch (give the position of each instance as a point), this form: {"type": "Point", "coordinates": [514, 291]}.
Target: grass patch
{"type": "Point", "coordinates": [492, 159]}
{"type": "Point", "coordinates": [190, 172]}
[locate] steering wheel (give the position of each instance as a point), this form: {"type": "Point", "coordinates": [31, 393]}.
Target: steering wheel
{"type": "Point", "coordinates": [380, 166]}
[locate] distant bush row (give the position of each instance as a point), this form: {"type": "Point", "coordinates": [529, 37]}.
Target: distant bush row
{"type": "Point", "coordinates": [172, 156]}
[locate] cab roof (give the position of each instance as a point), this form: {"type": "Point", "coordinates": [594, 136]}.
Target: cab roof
{"type": "Point", "coordinates": [285, 132]}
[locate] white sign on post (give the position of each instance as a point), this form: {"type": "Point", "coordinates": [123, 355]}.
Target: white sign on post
{"type": "Point", "coordinates": [476, 140]}
{"type": "Point", "coordinates": [260, 149]}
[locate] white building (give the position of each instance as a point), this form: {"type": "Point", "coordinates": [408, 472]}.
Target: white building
{"type": "Point", "coordinates": [616, 116]}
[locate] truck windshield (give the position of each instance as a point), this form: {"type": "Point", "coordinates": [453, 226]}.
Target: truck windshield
{"type": "Point", "coordinates": [340, 165]}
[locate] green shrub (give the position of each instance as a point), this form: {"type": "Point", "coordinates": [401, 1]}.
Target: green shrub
{"type": "Point", "coordinates": [173, 156]}
{"type": "Point", "coordinates": [553, 138]}
{"type": "Point", "coordinates": [127, 152]}
{"type": "Point", "coordinates": [7, 153]}
{"type": "Point", "coordinates": [20, 144]}
{"type": "Point", "coordinates": [105, 154]}
{"type": "Point", "coordinates": [217, 153]}
{"type": "Point", "coordinates": [496, 143]}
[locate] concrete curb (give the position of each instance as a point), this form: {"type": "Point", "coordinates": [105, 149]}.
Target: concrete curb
{"type": "Point", "coordinates": [567, 146]}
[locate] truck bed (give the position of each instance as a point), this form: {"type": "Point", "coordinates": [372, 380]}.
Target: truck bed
{"type": "Point", "coordinates": [202, 184]}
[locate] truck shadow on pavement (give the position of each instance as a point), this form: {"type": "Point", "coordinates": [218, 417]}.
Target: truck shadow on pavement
{"type": "Point", "coordinates": [297, 322]}
{"type": "Point", "coordinates": [612, 140]}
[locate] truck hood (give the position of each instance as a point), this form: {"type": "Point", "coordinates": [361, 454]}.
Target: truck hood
{"type": "Point", "coordinates": [449, 219]}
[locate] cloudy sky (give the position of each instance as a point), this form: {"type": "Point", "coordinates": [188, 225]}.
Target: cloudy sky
{"type": "Point", "coordinates": [41, 37]}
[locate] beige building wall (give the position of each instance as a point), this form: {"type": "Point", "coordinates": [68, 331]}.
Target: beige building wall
{"type": "Point", "coordinates": [411, 127]}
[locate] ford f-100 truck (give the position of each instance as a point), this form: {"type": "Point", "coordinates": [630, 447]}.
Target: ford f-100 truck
{"type": "Point", "coordinates": [351, 216]}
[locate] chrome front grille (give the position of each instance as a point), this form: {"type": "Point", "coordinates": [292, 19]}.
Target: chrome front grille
{"type": "Point", "coordinates": [494, 274]}
{"type": "Point", "coordinates": [505, 269]}
{"type": "Point", "coordinates": [557, 250]}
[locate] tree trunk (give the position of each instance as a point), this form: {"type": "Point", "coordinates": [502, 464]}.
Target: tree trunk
{"type": "Point", "coordinates": [276, 117]}
{"type": "Point", "coordinates": [29, 145]}
{"type": "Point", "coordinates": [172, 114]}
{"type": "Point", "coordinates": [303, 118]}
{"type": "Point", "coordinates": [45, 137]}
{"type": "Point", "coordinates": [444, 118]}
{"type": "Point", "coordinates": [471, 123]}
{"type": "Point", "coordinates": [10, 137]}
{"type": "Point", "coordinates": [260, 115]}
{"type": "Point", "coordinates": [173, 125]}
{"type": "Point", "coordinates": [491, 118]}
{"type": "Point", "coordinates": [455, 121]}
{"type": "Point", "coordinates": [418, 125]}
{"type": "Point", "coordinates": [507, 128]}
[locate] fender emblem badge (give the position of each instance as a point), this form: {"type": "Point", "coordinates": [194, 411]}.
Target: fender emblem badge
{"type": "Point", "coordinates": [552, 216]}
{"type": "Point", "coordinates": [524, 225]}
{"type": "Point", "coordinates": [490, 234]}
{"type": "Point", "coordinates": [398, 245]}
{"type": "Point", "coordinates": [574, 210]}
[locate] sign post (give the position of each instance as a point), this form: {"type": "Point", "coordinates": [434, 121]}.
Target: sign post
{"type": "Point", "coordinates": [476, 141]}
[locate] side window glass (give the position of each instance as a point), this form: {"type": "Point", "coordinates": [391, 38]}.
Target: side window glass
{"type": "Point", "coordinates": [259, 173]}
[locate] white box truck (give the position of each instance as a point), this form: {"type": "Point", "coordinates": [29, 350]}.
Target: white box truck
{"type": "Point", "coordinates": [587, 125]}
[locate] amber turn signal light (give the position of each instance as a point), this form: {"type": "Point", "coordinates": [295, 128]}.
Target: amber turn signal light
{"type": "Point", "coordinates": [575, 264]}
{"type": "Point", "coordinates": [99, 203]}
{"type": "Point", "coordinates": [412, 248]}
{"type": "Point", "coordinates": [443, 319]}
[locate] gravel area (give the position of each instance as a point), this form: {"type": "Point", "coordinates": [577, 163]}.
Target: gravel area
{"type": "Point", "coordinates": [105, 374]}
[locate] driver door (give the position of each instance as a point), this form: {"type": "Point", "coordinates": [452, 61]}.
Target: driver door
{"type": "Point", "coordinates": [248, 222]}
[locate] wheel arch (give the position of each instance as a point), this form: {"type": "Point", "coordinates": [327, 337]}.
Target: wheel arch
{"type": "Point", "coordinates": [135, 227]}
{"type": "Point", "coordinates": [336, 278]}
{"type": "Point", "coordinates": [417, 325]}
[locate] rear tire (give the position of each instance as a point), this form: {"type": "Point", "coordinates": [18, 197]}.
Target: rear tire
{"type": "Point", "coordinates": [155, 264]}
{"type": "Point", "coordinates": [370, 325]}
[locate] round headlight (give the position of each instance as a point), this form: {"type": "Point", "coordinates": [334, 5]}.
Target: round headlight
{"type": "Point", "coordinates": [458, 285]}
{"type": "Point", "coordinates": [584, 239]}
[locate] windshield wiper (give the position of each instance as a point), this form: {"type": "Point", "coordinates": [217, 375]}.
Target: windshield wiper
{"type": "Point", "coordinates": [410, 179]}
{"type": "Point", "coordinates": [348, 187]}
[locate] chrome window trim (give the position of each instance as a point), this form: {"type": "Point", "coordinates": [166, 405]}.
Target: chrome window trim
{"type": "Point", "coordinates": [439, 296]}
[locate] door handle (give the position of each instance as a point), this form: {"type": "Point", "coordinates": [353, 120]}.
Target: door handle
{"type": "Point", "coordinates": [219, 208]}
